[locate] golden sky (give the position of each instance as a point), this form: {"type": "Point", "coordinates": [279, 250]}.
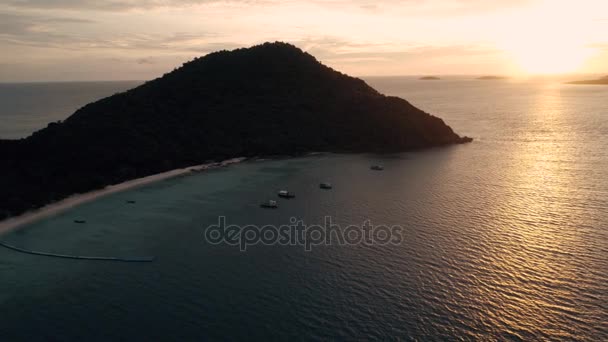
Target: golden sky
{"type": "Point", "coordinates": [61, 40]}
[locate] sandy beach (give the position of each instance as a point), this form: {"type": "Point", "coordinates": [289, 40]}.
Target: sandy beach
{"type": "Point", "coordinates": [78, 199]}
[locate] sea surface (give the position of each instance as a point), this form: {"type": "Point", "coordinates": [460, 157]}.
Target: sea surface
{"type": "Point", "coordinates": [505, 238]}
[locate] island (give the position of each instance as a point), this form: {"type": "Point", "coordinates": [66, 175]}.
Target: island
{"type": "Point", "coordinates": [603, 80]}
{"type": "Point", "coordinates": [429, 78]}
{"type": "Point", "coordinates": [491, 78]}
{"type": "Point", "coordinates": [269, 99]}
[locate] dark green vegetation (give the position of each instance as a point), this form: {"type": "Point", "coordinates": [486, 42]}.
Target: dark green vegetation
{"type": "Point", "coordinates": [603, 80]}
{"type": "Point", "coordinates": [271, 99]}
{"type": "Point", "coordinates": [429, 78]}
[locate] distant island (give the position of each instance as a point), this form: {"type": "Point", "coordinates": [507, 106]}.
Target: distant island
{"type": "Point", "coordinates": [490, 78]}
{"type": "Point", "coordinates": [270, 99]}
{"type": "Point", "coordinates": [429, 78]}
{"type": "Point", "coordinates": [603, 80]}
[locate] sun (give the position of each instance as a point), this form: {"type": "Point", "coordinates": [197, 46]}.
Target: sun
{"type": "Point", "coordinates": [551, 60]}
{"type": "Point", "coordinates": [550, 38]}
{"type": "Point", "coordinates": [538, 48]}
{"type": "Point", "coordinates": [546, 56]}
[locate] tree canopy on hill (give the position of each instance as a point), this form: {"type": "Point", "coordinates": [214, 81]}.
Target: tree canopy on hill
{"type": "Point", "coordinates": [270, 99]}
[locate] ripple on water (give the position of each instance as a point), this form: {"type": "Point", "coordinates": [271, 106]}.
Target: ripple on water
{"type": "Point", "coordinates": [504, 239]}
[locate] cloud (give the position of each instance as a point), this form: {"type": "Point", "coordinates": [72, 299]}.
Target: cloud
{"type": "Point", "coordinates": [145, 60]}
{"type": "Point", "coordinates": [51, 32]}
{"type": "Point", "coordinates": [11, 21]}
{"type": "Point", "coordinates": [425, 7]}
{"type": "Point", "coordinates": [35, 30]}
{"type": "Point", "coordinates": [355, 36]}
{"type": "Point", "coordinates": [430, 6]}
{"type": "Point", "coordinates": [397, 58]}
{"type": "Point", "coordinates": [19, 23]}
{"type": "Point", "coordinates": [335, 48]}
{"type": "Point", "coordinates": [601, 47]}
{"type": "Point", "coordinates": [115, 5]}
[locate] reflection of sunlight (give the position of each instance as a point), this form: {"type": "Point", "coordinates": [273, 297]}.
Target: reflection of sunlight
{"type": "Point", "coordinates": [535, 218]}
{"type": "Point", "coordinates": [540, 177]}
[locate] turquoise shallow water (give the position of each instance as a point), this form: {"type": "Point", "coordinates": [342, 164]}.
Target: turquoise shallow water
{"type": "Point", "coordinates": [504, 238]}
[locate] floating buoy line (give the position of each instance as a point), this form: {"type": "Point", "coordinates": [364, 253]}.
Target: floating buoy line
{"type": "Point", "coordinates": [78, 257]}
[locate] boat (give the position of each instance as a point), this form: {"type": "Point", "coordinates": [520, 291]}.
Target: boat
{"type": "Point", "coordinates": [269, 204]}
{"type": "Point", "coordinates": [325, 185]}
{"type": "Point", "coordinates": [130, 202]}
{"type": "Point", "coordinates": [377, 167]}
{"type": "Point", "coordinates": [80, 221]}
{"type": "Point", "coordinates": [286, 194]}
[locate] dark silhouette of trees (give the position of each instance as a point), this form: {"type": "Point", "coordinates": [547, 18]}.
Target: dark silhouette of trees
{"type": "Point", "coordinates": [603, 80]}
{"type": "Point", "coordinates": [271, 99]}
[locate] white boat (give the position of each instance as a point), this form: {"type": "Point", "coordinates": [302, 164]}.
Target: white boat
{"type": "Point", "coordinates": [325, 185]}
{"type": "Point", "coordinates": [286, 194]}
{"type": "Point", "coordinates": [269, 204]}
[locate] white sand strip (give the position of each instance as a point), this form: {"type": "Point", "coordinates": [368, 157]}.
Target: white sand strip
{"type": "Point", "coordinates": [78, 199]}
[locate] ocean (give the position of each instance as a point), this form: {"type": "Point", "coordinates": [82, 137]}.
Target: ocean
{"type": "Point", "coordinates": [28, 107]}
{"type": "Point", "coordinates": [505, 238]}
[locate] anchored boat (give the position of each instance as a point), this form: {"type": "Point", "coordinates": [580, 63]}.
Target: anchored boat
{"type": "Point", "coordinates": [269, 204]}
{"type": "Point", "coordinates": [325, 185]}
{"type": "Point", "coordinates": [286, 194]}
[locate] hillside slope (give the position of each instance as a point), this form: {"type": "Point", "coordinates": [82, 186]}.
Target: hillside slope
{"type": "Point", "coordinates": [269, 99]}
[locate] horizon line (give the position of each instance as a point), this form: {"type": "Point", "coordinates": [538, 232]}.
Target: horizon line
{"type": "Point", "coordinates": [356, 76]}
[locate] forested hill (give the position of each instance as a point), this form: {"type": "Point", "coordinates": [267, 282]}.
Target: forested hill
{"type": "Point", "coordinates": [270, 99]}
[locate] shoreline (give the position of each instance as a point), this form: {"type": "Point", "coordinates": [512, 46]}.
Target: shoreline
{"type": "Point", "coordinates": [70, 202]}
